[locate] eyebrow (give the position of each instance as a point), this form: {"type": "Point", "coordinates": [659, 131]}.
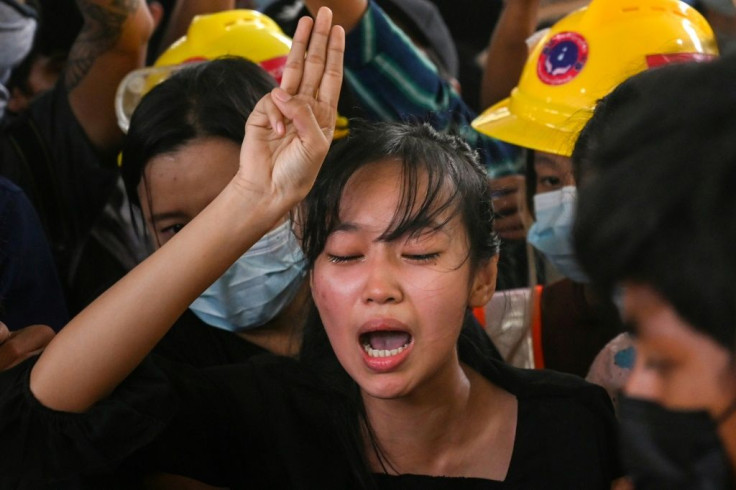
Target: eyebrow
{"type": "Point", "coordinates": [546, 162]}
{"type": "Point", "coordinates": [346, 226]}
{"type": "Point", "coordinates": [168, 215]}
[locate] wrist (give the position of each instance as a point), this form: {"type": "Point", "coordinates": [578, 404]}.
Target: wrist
{"type": "Point", "coordinates": [253, 208]}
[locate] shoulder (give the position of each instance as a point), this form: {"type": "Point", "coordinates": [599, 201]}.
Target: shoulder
{"type": "Point", "coordinates": [565, 433]}
{"type": "Point", "coordinates": [557, 403]}
{"type": "Point", "coordinates": [565, 425]}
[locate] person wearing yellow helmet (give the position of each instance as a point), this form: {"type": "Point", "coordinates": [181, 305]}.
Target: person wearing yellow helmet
{"type": "Point", "coordinates": [571, 65]}
{"type": "Point", "coordinates": [260, 299]}
{"type": "Point", "coordinates": [399, 235]}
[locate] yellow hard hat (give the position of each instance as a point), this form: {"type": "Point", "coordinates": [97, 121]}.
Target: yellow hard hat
{"type": "Point", "coordinates": [240, 32]}
{"type": "Point", "coordinates": [583, 57]}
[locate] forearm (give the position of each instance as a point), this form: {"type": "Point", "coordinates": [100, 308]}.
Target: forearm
{"type": "Point", "coordinates": [112, 42]}
{"type": "Point", "coordinates": [346, 13]}
{"type": "Point", "coordinates": [507, 51]}
{"type": "Point", "coordinates": [107, 340]}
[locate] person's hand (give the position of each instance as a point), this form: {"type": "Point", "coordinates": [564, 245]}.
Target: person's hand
{"type": "Point", "coordinates": [509, 203]}
{"type": "Point", "coordinates": [290, 130]}
{"type": "Point", "coordinates": [21, 344]}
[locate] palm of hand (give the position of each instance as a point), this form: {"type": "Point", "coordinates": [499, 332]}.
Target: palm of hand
{"type": "Point", "coordinates": [289, 132]}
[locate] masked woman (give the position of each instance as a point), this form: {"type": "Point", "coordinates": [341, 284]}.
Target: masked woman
{"type": "Point", "coordinates": [387, 393]}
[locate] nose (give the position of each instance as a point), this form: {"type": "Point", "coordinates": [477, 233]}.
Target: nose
{"type": "Point", "coordinates": [382, 283]}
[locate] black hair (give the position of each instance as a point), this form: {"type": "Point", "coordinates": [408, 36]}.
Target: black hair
{"type": "Point", "coordinates": [658, 204]}
{"type": "Point", "coordinates": [456, 184]}
{"type": "Point", "coordinates": [213, 98]}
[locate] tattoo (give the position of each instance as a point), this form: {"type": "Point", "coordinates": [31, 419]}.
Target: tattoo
{"type": "Point", "coordinates": [103, 24]}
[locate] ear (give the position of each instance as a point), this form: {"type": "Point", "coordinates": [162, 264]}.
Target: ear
{"type": "Point", "coordinates": [484, 283]}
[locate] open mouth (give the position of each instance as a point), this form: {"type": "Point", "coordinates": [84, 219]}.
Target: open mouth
{"type": "Point", "coordinates": [385, 343]}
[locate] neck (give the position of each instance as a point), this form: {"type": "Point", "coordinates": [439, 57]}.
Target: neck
{"type": "Point", "coordinates": [442, 431]}
{"type": "Point", "coordinates": [283, 334]}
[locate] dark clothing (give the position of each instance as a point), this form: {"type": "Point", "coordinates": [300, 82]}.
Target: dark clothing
{"type": "Point", "coordinates": [274, 423]}
{"type": "Point", "coordinates": [76, 192]}
{"type": "Point", "coordinates": [573, 330]}
{"type": "Point", "coordinates": [30, 291]}
{"type": "Point", "coordinates": [191, 341]}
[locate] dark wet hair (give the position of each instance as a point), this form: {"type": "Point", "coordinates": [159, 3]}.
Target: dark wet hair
{"type": "Point", "coordinates": [456, 183]}
{"type": "Point", "coordinates": [658, 204]}
{"type": "Point", "coordinates": [213, 98]}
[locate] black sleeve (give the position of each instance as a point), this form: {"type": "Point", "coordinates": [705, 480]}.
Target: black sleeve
{"type": "Point", "coordinates": [42, 446]}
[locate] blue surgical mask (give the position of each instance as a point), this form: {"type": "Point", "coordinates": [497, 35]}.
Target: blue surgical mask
{"type": "Point", "coordinates": [17, 28]}
{"type": "Point", "coordinates": [260, 284]}
{"type": "Point", "coordinates": [551, 233]}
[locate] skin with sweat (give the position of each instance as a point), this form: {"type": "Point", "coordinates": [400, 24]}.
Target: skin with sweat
{"type": "Point", "coordinates": [393, 311]}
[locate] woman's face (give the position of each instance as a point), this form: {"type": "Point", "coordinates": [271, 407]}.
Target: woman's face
{"type": "Point", "coordinates": [177, 186]}
{"type": "Point", "coordinates": [553, 172]}
{"type": "Point", "coordinates": [393, 309]}
{"type": "Point", "coordinates": [676, 366]}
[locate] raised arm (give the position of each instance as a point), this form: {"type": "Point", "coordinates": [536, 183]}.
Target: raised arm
{"type": "Point", "coordinates": [287, 137]}
{"type": "Point", "coordinates": [507, 51]}
{"type": "Point", "coordinates": [112, 42]}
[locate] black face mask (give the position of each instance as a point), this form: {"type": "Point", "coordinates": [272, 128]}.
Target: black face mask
{"type": "Point", "coordinates": [673, 450]}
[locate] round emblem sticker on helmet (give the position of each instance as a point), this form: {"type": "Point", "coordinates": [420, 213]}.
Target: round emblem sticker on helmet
{"type": "Point", "coordinates": [562, 58]}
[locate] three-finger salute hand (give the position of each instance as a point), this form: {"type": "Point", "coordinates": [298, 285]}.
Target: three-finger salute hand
{"type": "Point", "coordinates": [290, 130]}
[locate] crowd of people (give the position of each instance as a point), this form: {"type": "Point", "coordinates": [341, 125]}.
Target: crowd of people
{"type": "Point", "coordinates": [297, 244]}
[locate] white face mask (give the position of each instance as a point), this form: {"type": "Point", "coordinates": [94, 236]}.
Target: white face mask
{"type": "Point", "coordinates": [258, 286]}
{"type": "Point", "coordinates": [551, 233]}
{"type": "Point", "coordinates": [17, 28]}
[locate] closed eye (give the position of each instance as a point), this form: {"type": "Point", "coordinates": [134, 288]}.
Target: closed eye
{"type": "Point", "coordinates": [343, 259]}
{"type": "Point", "coordinates": [422, 257]}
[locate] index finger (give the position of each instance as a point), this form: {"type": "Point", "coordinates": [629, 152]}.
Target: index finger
{"type": "Point", "coordinates": [292, 76]}
{"type": "Point", "coordinates": [329, 88]}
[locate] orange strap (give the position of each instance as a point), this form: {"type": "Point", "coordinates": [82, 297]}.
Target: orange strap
{"type": "Point", "coordinates": [537, 327]}
{"type": "Point", "coordinates": [480, 314]}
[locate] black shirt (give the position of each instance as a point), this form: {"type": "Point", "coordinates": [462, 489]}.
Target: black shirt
{"type": "Point", "coordinates": [274, 423]}
{"type": "Point", "coordinates": [77, 193]}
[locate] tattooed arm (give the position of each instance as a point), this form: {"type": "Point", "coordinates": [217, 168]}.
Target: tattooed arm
{"type": "Point", "coordinates": [112, 42]}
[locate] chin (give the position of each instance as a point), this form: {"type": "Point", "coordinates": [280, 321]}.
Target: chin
{"type": "Point", "coordinates": [384, 389]}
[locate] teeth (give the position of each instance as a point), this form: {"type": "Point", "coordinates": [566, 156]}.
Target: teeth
{"type": "Point", "coordinates": [383, 352]}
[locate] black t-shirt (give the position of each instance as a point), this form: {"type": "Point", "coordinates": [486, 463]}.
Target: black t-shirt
{"type": "Point", "coordinates": [272, 423]}
{"type": "Point", "coordinates": [193, 342]}
{"type": "Point", "coordinates": [77, 193]}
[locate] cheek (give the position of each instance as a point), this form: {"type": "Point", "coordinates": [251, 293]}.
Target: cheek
{"type": "Point", "coordinates": [331, 296]}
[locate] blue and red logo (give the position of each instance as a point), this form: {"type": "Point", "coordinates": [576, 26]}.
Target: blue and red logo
{"type": "Point", "coordinates": [562, 58]}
